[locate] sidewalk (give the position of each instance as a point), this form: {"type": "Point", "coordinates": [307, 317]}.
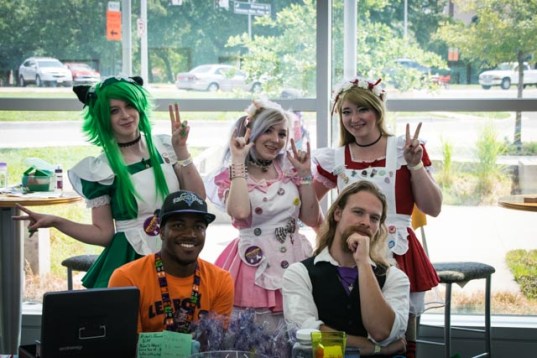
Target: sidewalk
{"type": "Point", "coordinates": [459, 233]}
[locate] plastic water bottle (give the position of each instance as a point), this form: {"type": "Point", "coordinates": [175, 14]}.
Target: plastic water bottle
{"type": "Point", "coordinates": [303, 347]}
{"type": "Point", "coordinates": [58, 172]}
{"type": "Point", "coordinates": [3, 176]}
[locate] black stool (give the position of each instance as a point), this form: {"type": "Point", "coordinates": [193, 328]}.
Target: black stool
{"type": "Point", "coordinates": [459, 273]}
{"type": "Point", "coordinates": [77, 263]}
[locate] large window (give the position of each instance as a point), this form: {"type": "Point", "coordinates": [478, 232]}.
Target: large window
{"type": "Point", "coordinates": [213, 57]}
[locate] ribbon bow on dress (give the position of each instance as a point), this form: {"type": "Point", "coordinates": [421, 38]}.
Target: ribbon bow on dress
{"type": "Point", "coordinates": [289, 228]}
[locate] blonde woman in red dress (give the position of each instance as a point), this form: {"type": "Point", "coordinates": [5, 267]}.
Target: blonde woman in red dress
{"type": "Point", "coordinates": [400, 166]}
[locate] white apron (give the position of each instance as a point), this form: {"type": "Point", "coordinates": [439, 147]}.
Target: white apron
{"type": "Point", "coordinates": [143, 232]}
{"type": "Point", "coordinates": [384, 178]}
{"type": "Point", "coordinates": [273, 242]}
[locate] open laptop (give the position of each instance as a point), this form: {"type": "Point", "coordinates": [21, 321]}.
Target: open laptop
{"type": "Point", "coordinates": [90, 323]}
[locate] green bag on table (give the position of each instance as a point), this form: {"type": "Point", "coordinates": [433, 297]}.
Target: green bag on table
{"type": "Point", "coordinates": [37, 180]}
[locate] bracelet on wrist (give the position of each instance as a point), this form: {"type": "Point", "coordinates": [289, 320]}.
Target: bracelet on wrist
{"type": "Point", "coordinates": [237, 171]}
{"type": "Point", "coordinates": [415, 167]}
{"type": "Point", "coordinates": [377, 349]}
{"type": "Point", "coordinates": [308, 179]}
{"type": "Point", "coordinates": [186, 162]}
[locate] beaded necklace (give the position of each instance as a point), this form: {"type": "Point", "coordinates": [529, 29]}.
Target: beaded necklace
{"type": "Point", "coordinates": [177, 321]}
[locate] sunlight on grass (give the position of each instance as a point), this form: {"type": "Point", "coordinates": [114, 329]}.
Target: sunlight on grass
{"type": "Point", "coordinates": [61, 245]}
{"type": "Point", "coordinates": [66, 157]}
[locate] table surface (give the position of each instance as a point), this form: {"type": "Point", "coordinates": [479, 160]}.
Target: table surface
{"type": "Point", "coordinates": [9, 201]}
{"type": "Point", "coordinates": [517, 202]}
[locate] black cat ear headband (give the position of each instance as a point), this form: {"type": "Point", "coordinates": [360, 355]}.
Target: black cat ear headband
{"type": "Point", "coordinates": [86, 93]}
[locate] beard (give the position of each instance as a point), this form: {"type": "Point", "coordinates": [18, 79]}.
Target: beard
{"type": "Point", "coordinates": [358, 229]}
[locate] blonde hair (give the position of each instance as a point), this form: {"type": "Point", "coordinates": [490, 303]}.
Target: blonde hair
{"type": "Point", "coordinates": [377, 245]}
{"type": "Point", "coordinates": [370, 98]}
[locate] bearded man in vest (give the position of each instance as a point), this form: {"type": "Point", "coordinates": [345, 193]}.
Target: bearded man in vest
{"type": "Point", "coordinates": [349, 285]}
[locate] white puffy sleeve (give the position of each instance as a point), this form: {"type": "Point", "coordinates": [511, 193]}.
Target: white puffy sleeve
{"type": "Point", "coordinates": [324, 163]}
{"type": "Point", "coordinates": [92, 178]}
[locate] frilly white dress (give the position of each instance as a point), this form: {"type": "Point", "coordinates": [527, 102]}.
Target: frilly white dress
{"type": "Point", "coordinates": [336, 167]}
{"type": "Point", "coordinates": [137, 235]}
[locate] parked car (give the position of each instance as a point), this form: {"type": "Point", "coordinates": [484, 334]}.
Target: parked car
{"type": "Point", "coordinates": [441, 77]}
{"type": "Point", "coordinates": [83, 73]}
{"type": "Point", "coordinates": [506, 74]}
{"type": "Point", "coordinates": [426, 73]}
{"type": "Point", "coordinates": [44, 71]}
{"type": "Point", "coordinates": [216, 77]}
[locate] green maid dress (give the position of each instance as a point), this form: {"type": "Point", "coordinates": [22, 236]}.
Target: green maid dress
{"type": "Point", "coordinates": [135, 235]}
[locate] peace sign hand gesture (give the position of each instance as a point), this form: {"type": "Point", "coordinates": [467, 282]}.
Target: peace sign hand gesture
{"type": "Point", "coordinates": [413, 151]}
{"type": "Point", "coordinates": [180, 129]}
{"type": "Point", "coordinates": [239, 146]}
{"type": "Point", "coordinates": [300, 159]}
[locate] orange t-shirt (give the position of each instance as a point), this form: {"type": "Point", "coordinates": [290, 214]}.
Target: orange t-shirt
{"type": "Point", "coordinates": [215, 289]}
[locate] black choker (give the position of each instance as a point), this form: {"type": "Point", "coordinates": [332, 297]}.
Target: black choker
{"type": "Point", "coordinates": [132, 142]}
{"type": "Point", "coordinates": [370, 144]}
{"type": "Point", "coordinates": [260, 163]}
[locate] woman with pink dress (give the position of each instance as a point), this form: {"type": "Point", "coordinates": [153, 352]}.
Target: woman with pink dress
{"type": "Point", "coordinates": [267, 190]}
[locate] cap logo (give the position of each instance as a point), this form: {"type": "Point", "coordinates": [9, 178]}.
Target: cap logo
{"type": "Point", "coordinates": [189, 198]}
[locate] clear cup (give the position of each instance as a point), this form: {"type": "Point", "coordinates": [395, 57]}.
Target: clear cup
{"type": "Point", "coordinates": [332, 344]}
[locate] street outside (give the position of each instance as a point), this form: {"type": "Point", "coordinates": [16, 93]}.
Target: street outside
{"type": "Point", "coordinates": [482, 234]}
{"type": "Point", "coordinates": [460, 129]}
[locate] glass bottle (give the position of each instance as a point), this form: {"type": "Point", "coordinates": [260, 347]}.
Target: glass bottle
{"type": "Point", "coordinates": [58, 173]}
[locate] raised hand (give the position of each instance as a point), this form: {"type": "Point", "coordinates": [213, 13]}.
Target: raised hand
{"type": "Point", "coordinates": [180, 129]}
{"type": "Point", "coordinates": [240, 146]}
{"type": "Point", "coordinates": [358, 244]}
{"type": "Point", "coordinates": [300, 159]}
{"type": "Point", "coordinates": [413, 151]}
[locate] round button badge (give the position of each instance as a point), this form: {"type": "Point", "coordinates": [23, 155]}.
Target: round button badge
{"type": "Point", "coordinates": [253, 255]}
{"type": "Point", "coordinates": [151, 227]}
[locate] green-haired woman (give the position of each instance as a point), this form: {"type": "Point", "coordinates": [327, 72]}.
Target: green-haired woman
{"type": "Point", "coordinates": [128, 182]}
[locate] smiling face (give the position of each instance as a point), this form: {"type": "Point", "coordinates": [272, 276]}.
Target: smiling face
{"type": "Point", "coordinates": [124, 118]}
{"type": "Point", "coordinates": [270, 143]}
{"type": "Point", "coordinates": [183, 238]}
{"type": "Point", "coordinates": [360, 122]}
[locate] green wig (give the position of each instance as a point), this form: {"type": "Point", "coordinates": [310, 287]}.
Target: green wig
{"type": "Point", "coordinates": [98, 128]}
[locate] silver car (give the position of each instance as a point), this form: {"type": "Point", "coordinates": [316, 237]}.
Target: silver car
{"type": "Point", "coordinates": [44, 71]}
{"type": "Point", "coordinates": [216, 77]}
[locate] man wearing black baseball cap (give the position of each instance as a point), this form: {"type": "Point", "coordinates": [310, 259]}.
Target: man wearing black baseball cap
{"type": "Point", "coordinates": [176, 286]}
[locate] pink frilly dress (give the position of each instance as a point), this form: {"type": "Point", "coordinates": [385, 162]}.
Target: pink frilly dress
{"type": "Point", "coordinates": [269, 240]}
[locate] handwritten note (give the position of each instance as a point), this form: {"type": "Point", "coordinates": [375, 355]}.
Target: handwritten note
{"type": "Point", "coordinates": [164, 344]}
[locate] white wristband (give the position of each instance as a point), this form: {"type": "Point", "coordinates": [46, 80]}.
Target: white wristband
{"type": "Point", "coordinates": [185, 162]}
{"type": "Point", "coordinates": [415, 167]}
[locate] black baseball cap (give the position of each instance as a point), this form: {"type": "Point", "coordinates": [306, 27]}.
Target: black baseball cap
{"type": "Point", "coordinates": [184, 202]}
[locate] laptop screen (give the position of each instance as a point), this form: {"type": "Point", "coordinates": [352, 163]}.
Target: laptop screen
{"type": "Point", "coordinates": [90, 323]}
